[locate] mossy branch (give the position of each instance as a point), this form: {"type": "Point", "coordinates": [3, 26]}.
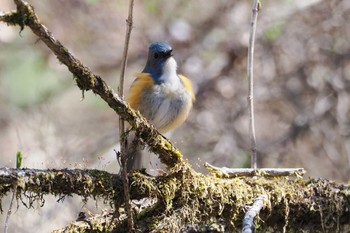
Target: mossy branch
{"type": "Point", "coordinates": [33, 184]}
{"type": "Point", "coordinates": [192, 199]}
{"type": "Point", "coordinates": [85, 183]}
{"type": "Point", "coordinates": [87, 80]}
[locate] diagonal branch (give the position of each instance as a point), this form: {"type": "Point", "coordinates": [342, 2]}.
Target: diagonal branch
{"type": "Point", "coordinates": [86, 80]}
{"type": "Point", "coordinates": [248, 220]}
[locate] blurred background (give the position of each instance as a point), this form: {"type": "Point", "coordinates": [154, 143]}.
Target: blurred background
{"type": "Point", "coordinates": [302, 88]}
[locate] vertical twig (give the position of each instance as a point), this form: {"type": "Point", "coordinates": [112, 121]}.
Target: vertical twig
{"type": "Point", "coordinates": [250, 64]}
{"type": "Point", "coordinates": [123, 152]}
{"type": "Point", "coordinates": [9, 212]}
{"type": "Point", "coordinates": [19, 158]}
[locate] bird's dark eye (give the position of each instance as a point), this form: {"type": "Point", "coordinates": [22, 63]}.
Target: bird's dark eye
{"type": "Point", "coordinates": [156, 55]}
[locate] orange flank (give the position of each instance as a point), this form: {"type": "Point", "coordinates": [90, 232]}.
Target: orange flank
{"type": "Point", "coordinates": [143, 81]}
{"type": "Point", "coordinates": [188, 86]}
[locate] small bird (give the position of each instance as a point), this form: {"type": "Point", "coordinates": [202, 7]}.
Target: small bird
{"type": "Point", "coordinates": [161, 95]}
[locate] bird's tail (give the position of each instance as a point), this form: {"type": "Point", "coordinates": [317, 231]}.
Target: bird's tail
{"type": "Point", "coordinates": [133, 150]}
{"type": "Point", "coordinates": [137, 158]}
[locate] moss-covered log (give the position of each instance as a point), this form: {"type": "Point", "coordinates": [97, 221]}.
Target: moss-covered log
{"type": "Point", "coordinates": [189, 200]}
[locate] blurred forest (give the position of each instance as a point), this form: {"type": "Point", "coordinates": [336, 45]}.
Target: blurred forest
{"type": "Point", "coordinates": [302, 87]}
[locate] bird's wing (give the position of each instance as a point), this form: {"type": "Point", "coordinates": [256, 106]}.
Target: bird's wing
{"type": "Point", "coordinates": [143, 81]}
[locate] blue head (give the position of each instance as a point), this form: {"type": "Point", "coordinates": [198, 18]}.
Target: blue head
{"type": "Point", "coordinates": [158, 54]}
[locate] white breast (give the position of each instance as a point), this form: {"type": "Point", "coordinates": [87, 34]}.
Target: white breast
{"type": "Point", "coordinates": [172, 98]}
{"type": "Point", "coordinates": [169, 76]}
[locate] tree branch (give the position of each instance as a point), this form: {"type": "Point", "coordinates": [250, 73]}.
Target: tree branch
{"type": "Point", "coordinates": [123, 150]}
{"type": "Point", "coordinates": [198, 198]}
{"type": "Point", "coordinates": [86, 80]}
{"type": "Point", "coordinates": [225, 172]}
{"type": "Point", "coordinates": [248, 220]}
{"type": "Point", "coordinates": [250, 66]}
{"type": "Point", "coordinates": [85, 183]}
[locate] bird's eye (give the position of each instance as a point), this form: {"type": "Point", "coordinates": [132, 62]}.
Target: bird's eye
{"type": "Point", "coordinates": [156, 55]}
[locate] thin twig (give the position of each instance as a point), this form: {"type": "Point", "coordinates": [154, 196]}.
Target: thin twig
{"type": "Point", "coordinates": [236, 172]}
{"type": "Point", "coordinates": [250, 215]}
{"type": "Point", "coordinates": [9, 211]}
{"type": "Point", "coordinates": [19, 158]}
{"type": "Point", "coordinates": [250, 65]}
{"type": "Point", "coordinates": [123, 152]}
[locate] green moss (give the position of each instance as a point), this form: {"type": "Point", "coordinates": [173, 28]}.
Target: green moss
{"type": "Point", "coordinates": [110, 91]}
{"type": "Point", "coordinates": [92, 80]}
{"type": "Point", "coordinates": [64, 50]}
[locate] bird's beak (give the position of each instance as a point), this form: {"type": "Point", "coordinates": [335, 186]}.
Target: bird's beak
{"type": "Point", "coordinates": [170, 53]}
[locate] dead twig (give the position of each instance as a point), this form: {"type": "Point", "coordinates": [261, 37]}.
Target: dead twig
{"type": "Point", "coordinates": [19, 158]}
{"type": "Point", "coordinates": [250, 215]}
{"type": "Point", "coordinates": [9, 212]}
{"type": "Point", "coordinates": [237, 172]}
{"type": "Point", "coordinates": [250, 65]}
{"type": "Point", "coordinates": [122, 137]}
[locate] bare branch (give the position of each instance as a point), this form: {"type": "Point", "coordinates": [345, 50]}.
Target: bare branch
{"type": "Point", "coordinates": [237, 172]}
{"type": "Point", "coordinates": [10, 209]}
{"type": "Point", "coordinates": [248, 220]}
{"type": "Point", "coordinates": [129, 23]}
{"type": "Point", "coordinates": [123, 152]}
{"type": "Point", "coordinates": [250, 65]}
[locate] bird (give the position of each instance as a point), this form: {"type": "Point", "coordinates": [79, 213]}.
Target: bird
{"type": "Point", "coordinates": [160, 94]}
